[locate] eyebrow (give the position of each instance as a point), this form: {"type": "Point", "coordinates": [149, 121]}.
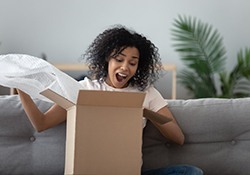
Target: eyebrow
{"type": "Point", "coordinates": [132, 56]}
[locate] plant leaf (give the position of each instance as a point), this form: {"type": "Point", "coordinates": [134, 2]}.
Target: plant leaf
{"type": "Point", "coordinates": [202, 50]}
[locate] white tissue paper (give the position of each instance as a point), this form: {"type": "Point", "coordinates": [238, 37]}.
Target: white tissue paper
{"type": "Point", "coordinates": [33, 75]}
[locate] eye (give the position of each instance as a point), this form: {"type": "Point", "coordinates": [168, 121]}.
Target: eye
{"type": "Point", "coordinates": [133, 64]}
{"type": "Point", "coordinates": [117, 59]}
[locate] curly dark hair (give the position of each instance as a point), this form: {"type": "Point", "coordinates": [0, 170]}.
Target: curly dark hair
{"type": "Point", "coordinates": [113, 41]}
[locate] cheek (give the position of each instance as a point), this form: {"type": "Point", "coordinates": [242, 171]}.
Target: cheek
{"type": "Point", "coordinates": [112, 64]}
{"type": "Point", "coordinates": [133, 70]}
{"type": "Point", "coordinates": [110, 67]}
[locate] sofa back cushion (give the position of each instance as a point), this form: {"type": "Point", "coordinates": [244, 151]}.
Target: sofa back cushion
{"type": "Point", "coordinates": [217, 137]}
{"type": "Point", "coordinates": [22, 149]}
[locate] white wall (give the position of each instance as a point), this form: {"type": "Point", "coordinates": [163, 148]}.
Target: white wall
{"type": "Point", "coordinates": [62, 29]}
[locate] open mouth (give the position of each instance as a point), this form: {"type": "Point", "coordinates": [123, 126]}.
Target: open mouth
{"type": "Point", "coordinates": [120, 77]}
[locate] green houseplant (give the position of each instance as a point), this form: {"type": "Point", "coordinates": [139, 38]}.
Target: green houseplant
{"type": "Point", "coordinates": [204, 55]}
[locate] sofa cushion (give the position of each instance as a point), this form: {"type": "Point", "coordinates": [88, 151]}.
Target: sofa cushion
{"type": "Point", "coordinates": [217, 137]}
{"type": "Point", "coordinates": [22, 149]}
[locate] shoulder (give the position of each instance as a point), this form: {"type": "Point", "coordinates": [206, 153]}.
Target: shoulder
{"type": "Point", "coordinates": [89, 84]}
{"type": "Point", "coordinates": [152, 92]}
{"type": "Point", "coordinates": [154, 100]}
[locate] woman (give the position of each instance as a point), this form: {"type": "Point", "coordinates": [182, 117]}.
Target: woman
{"type": "Point", "coordinates": [120, 60]}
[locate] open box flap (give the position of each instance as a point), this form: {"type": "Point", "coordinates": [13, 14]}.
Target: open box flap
{"type": "Point", "coordinates": [58, 99]}
{"type": "Point", "coordinates": [111, 98]}
{"type": "Point", "coordinates": [107, 98]}
{"type": "Point", "coordinates": [155, 116]}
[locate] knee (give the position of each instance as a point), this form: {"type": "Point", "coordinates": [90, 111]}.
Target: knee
{"type": "Point", "coordinates": [194, 170]}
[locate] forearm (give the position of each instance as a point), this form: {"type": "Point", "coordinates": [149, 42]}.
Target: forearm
{"type": "Point", "coordinates": [35, 116]}
{"type": "Point", "coordinates": [170, 130]}
{"type": "Point", "coordinates": [42, 121]}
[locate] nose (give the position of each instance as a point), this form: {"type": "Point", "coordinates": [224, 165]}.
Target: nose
{"type": "Point", "coordinates": [124, 66]}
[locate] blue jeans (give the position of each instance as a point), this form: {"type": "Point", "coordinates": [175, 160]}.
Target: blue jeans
{"type": "Point", "coordinates": [174, 170]}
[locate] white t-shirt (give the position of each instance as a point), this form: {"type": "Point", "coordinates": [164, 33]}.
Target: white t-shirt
{"type": "Point", "coordinates": [153, 99]}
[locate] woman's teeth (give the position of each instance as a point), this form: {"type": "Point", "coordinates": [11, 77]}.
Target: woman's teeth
{"type": "Point", "coordinates": [121, 76]}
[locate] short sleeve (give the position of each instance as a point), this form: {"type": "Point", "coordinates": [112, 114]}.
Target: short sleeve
{"type": "Point", "coordinates": [154, 100]}
{"type": "Point", "coordinates": [89, 84]}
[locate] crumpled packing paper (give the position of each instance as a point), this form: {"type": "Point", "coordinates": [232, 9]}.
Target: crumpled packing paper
{"type": "Point", "coordinates": [33, 75]}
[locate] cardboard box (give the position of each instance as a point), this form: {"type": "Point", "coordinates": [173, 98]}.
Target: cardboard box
{"type": "Point", "coordinates": [104, 132]}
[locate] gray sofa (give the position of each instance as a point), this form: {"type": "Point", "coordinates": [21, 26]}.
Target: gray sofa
{"type": "Point", "coordinates": [217, 135]}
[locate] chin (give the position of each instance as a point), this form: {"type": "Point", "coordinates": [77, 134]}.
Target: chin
{"type": "Point", "coordinates": [119, 87]}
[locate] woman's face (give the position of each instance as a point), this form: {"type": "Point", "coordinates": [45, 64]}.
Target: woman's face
{"type": "Point", "coordinates": [122, 67]}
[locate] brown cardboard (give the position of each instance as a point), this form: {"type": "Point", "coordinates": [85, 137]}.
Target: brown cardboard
{"type": "Point", "coordinates": [104, 132]}
{"type": "Point", "coordinates": [66, 104]}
